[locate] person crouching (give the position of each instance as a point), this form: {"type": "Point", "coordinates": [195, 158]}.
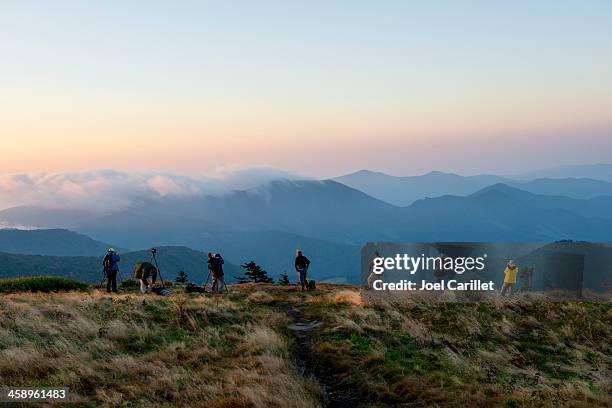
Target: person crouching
{"type": "Point", "coordinates": [147, 274]}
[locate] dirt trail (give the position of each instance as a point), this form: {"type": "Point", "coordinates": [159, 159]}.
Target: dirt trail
{"type": "Point", "coordinates": [336, 394]}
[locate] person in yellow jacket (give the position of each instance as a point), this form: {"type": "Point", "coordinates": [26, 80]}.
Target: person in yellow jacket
{"type": "Point", "coordinates": [509, 278]}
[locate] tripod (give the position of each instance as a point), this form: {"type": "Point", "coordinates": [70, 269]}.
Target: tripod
{"type": "Point", "coordinates": [105, 276]}
{"type": "Point", "coordinates": [211, 285]}
{"type": "Point", "coordinates": [154, 260]}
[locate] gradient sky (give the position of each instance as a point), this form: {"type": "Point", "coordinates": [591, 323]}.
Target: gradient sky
{"type": "Point", "coordinates": [319, 87]}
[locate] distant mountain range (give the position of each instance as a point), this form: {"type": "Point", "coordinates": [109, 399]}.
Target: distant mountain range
{"type": "Point", "coordinates": [56, 242]}
{"type": "Point", "coordinates": [28, 216]}
{"type": "Point", "coordinates": [402, 191]}
{"type": "Point", "coordinates": [593, 171]}
{"type": "Point", "coordinates": [501, 213]}
{"type": "Point", "coordinates": [330, 221]}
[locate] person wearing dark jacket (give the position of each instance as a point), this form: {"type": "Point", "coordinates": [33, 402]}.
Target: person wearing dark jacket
{"type": "Point", "coordinates": [111, 268]}
{"type": "Point", "coordinates": [217, 273]}
{"type": "Point", "coordinates": [301, 266]}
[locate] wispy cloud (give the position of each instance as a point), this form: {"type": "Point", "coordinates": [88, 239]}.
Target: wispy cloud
{"type": "Point", "coordinates": [108, 190]}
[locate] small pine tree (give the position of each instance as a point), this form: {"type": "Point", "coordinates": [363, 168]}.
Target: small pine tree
{"type": "Point", "coordinates": [254, 273]}
{"type": "Point", "coordinates": [283, 279]}
{"type": "Point", "coordinates": [182, 277]}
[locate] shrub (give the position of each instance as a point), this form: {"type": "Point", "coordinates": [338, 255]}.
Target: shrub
{"type": "Point", "coordinates": [182, 277]}
{"type": "Point", "coordinates": [40, 284]}
{"type": "Point", "coordinates": [254, 273]}
{"type": "Point", "coordinates": [283, 279]}
{"type": "Point", "coordinates": [129, 284]}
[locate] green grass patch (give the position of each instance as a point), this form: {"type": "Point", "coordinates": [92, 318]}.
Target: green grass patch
{"type": "Point", "coordinates": [159, 311]}
{"type": "Point", "coordinates": [40, 284]}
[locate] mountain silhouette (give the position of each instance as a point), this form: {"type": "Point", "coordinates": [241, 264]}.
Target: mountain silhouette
{"type": "Point", "coordinates": [403, 191]}
{"type": "Point", "coordinates": [601, 171]}
{"type": "Point", "coordinates": [58, 242]}
{"type": "Point", "coordinates": [330, 222]}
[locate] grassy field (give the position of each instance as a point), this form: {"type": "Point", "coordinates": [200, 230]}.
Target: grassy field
{"type": "Point", "coordinates": [273, 346]}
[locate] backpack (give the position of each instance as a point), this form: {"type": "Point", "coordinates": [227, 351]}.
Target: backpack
{"type": "Point", "coordinates": [311, 285]}
{"type": "Point", "coordinates": [107, 262]}
{"type": "Point", "coordinates": [162, 291]}
{"type": "Point", "coordinates": [218, 263]}
{"type": "Point", "coordinates": [191, 288]}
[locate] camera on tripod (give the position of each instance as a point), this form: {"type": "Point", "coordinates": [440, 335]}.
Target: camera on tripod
{"type": "Point", "coordinates": [153, 250]}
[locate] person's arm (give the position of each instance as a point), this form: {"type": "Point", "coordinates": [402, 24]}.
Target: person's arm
{"type": "Point", "coordinates": [296, 265]}
{"type": "Point", "coordinates": [307, 261]}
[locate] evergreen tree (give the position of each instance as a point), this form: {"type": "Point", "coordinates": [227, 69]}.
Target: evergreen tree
{"type": "Point", "coordinates": [283, 279]}
{"type": "Point", "coordinates": [254, 273]}
{"type": "Point", "coordinates": [182, 277]}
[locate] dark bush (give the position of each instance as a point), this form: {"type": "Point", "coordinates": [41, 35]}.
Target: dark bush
{"type": "Point", "coordinates": [129, 284]}
{"type": "Point", "coordinates": [40, 284]}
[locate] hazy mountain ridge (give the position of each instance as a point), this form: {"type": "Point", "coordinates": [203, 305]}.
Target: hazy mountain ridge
{"type": "Point", "coordinates": [42, 217]}
{"type": "Point", "coordinates": [316, 209]}
{"type": "Point", "coordinates": [402, 190]}
{"type": "Point", "coordinates": [330, 221]}
{"type": "Point", "coordinates": [501, 213]}
{"type": "Point", "coordinates": [55, 242]}
{"type": "Point", "coordinates": [600, 171]}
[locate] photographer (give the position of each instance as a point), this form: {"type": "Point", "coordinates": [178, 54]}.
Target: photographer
{"type": "Point", "coordinates": [111, 268]}
{"type": "Point", "coordinates": [215, 265]}
{"type": "Point", "coordinates": [509, 278]}
{"type": "Point", "coordinates": [146, 272]}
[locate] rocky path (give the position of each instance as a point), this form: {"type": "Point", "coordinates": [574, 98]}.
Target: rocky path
{"type": "Point", "coordinates": [336, 394]}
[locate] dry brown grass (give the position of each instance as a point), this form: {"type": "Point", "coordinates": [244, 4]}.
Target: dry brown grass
{"type": "Point", "coordinates": [429, 350]}
{"type": "Point", "coordinates": [236, 351]}
{"type": "Point", "coordinates": [150, 351]}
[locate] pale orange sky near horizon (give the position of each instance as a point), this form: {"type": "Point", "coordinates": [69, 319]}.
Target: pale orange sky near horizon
{"type": "Point", "coordinates": [321, 90]}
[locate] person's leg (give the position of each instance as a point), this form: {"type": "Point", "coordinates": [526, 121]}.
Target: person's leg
{"type": "Point", "coordinates": [108, 281]}
{"type": "Point", "coordinates": [215, 284]}
{"type": "Point", "coordinates": [504, 289]}
{"type": "Point", "coordinates": [114, 282]}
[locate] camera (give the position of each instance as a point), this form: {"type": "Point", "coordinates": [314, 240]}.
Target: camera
{"type": "Point", "coordinates": [153, 250]}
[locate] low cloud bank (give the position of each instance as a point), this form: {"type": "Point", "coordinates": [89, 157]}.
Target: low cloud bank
{"type": "Point", "coordinates": [110, 190]}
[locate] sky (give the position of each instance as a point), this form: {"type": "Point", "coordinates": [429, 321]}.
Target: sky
{"type": "Point", "coordinates": [320, 88]}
